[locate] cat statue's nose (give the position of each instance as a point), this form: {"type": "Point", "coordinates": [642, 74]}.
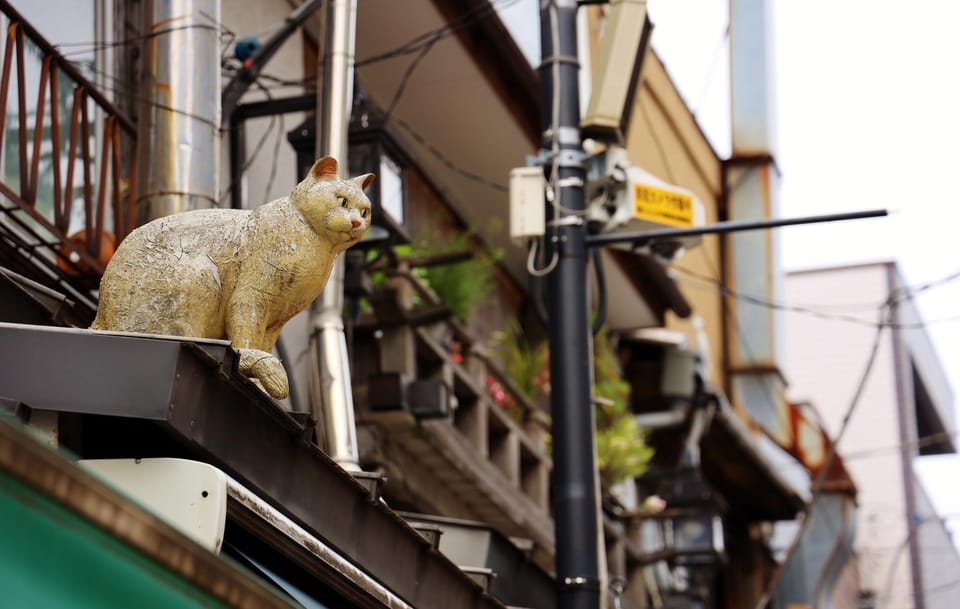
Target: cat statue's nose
{"type": "Point", "coordinates": [355, 223]}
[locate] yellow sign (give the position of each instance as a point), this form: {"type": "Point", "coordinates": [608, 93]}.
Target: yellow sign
{"type": "Point", "coordinates": [662, 206]}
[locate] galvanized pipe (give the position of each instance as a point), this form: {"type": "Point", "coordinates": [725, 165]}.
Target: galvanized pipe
{"type": "Point", "coordinates": [180, 108]}
{"type": "Point", "coordinates": [752, 187]}
{"type": "Point", "coordinates": [333, 395]}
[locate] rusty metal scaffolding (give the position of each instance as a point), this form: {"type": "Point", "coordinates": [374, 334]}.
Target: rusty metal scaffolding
{"type": "Point", "coordinates": [95, 193]}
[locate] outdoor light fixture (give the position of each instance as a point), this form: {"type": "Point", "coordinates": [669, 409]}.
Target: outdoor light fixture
{"type": "Point", "coordinates": [690, 530]}
{"type": "Point", "coordinates": [374, 150]}
{"type": "Point", "coordinates": [371, 150]}
{"type": "Point", "coordinates": [684, 542]}
{"type": "Point", "coordinates": [696, 537]}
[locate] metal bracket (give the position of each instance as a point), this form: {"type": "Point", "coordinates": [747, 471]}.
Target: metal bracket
{"type": "Point", "coordinates": [566, 221]}
{"type": "Point", "coordinates": [565, 135]}
{"type": "Point", "coordinates": [582, 582]}
{"type": "Point", "coordinates": [570, 182]}
{"type": "Point", "coordinates": [565, 158]}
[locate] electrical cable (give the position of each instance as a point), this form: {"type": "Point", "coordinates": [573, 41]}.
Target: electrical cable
{"type": "Point", "coordinates": [439, 155]}
{"type": "Point", "coordinates": [553, 188]}
{"type": "Point", "coordinates": [807, 510]}
{"type": "Point", "coordinates": [432, 36]}
{"type": "Point", "coordinates": [98, 47]}
{"type": "Point", "coordinates": [281, 129]}
{"type": "Point", "coordinates": [817, 486]}
{"type": "Point", "coordinates": [899, 295]}
{"type": "Point", "coordinates": [896, 296]}
{"type": "Point", "coordinates": [601, 290]}
{"type": "Point", "coordinates": [920, 442]}
{"type": "Point", "coordinates": [405, 79]}
{"type": "Point", "coordinates": [714, 61]}
{"type": "Point", "coordinates": [125, 91]}
{"type": "Point", "coordinates": [421, 43]}
{"type": "Point", "coordinates": [246, 165]}
{"type": "Point", "coordinates": [656, 142]}
{"type": "Point", "coordinates": [536, 295]}
{"type": "Point", "coordinates": [531, 261]}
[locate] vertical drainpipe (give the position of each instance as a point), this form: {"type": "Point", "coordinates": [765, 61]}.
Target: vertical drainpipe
{"type": "Point", "coordinates": [330, 387]}
{"type": "Point", "coordinates": [752, 258]}
{"type": "Point", "coordinates": [178, 126]}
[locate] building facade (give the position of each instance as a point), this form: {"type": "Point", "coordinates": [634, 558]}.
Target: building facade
{"type": "Point", "coordinates": [448, 396]}
{"type": "Point", "coordinates": [866, 314]}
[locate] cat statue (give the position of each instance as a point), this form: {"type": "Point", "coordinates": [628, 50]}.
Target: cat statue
{"type": "Point", "coordinates": [236, 274]}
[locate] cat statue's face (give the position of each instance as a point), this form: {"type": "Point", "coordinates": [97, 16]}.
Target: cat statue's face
{"type": "Point", "coordinates": [336, 209]}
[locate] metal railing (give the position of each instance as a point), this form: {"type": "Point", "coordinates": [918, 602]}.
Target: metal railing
{"type": "Point", "coordinates": [65, 203]}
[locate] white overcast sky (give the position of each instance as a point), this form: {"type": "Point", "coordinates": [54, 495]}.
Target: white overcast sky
{"type": "Point", "coordinates": [868, 103]}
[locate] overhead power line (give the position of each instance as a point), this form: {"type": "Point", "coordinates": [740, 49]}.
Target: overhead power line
{"type": "Point", "coordinates": [818, 483]}
{"type": "Point", "coordinates": [431, 37]}
{"type": "Point", "coordinates": [899, 295]}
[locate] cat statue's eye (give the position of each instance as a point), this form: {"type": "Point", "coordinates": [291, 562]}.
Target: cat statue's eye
{"type": "Point", "coordinates": [343, 201]}
{"type": "Point", "coordinates": [363, 213]}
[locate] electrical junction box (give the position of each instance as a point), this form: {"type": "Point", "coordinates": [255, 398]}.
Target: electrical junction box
{"type": "Point", "coordinates": [624, 198]}
{"type": "Point", "coordinates": [527, 207]}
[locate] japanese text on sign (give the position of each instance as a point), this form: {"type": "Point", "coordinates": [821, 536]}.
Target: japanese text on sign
{"type": "Point", "coordinates": [662, 206]}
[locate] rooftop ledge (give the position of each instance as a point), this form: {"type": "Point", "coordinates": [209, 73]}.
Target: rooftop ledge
{"type": "Point", "coordinates": [129, 395]}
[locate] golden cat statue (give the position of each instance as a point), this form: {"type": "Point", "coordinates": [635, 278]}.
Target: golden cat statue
{"type": "Point", "coordinates": [236, 274]}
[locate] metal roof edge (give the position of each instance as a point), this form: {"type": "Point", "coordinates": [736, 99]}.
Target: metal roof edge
{"type": "Point", "coordinates": [788, 501]}
{"type": "Point", "coordinates": [222, 418]}
{"type": "Point", "coordinates": [67, 484]}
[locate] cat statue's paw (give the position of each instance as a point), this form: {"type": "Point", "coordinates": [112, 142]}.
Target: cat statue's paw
{"type": "Point", "coordinates": [265, 370]}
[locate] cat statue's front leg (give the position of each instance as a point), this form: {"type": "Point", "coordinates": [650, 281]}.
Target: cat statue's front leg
{"type": "Point", "coordinates": [265, 370]}
{"type": "Point", "coordinates": [246, 329]}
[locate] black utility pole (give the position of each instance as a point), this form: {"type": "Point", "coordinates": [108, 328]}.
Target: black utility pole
{"type": "Point", "coordinates": [575, 500]}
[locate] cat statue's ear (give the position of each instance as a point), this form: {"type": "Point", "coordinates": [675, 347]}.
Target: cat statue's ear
{"type": "Point", "coordinates": [364, 180]}
{"type": "Point", "coordinates": [325, 169]}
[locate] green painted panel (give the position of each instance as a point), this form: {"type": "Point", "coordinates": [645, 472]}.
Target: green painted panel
{"type": "Point", "coordinates": [52, 559]}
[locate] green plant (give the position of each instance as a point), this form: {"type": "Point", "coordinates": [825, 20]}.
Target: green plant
{"type": "Point", "coordinates": [526, 364]}
{"type": "Point", "coordinates": [622, 452]}
{"type": "Point", "coordinates": [461, 286]}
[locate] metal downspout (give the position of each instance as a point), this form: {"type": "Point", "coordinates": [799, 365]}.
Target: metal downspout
{"type": "Point", "coordinates": [330, 390]}
{"type": "Point", "coordinates": [752, 259]}
{"type": "Point", "coordinates": [839, 555]}
{"type": "Point", "coordinates": [179, 124]}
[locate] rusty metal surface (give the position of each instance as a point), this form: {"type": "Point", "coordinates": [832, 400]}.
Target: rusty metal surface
{"type": "Point", "coordinates": [104, 201]}
{"type": "Point", "coordinates": [734, 465]}
{"type": "Point", "coordinates": [178, 115]}
{"type": "Point", "coordinates": [214, 414]}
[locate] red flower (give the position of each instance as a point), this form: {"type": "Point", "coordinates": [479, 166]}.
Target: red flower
{"type": "Point", "coordinates": [453, 348]}
{"type": "Point", "coordinates": [498, 394]}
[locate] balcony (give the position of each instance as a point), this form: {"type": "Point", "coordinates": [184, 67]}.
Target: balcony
{"type": "Point", "coordinates": [427, 419]}
{"type": "Point", "coordinates": [66, 185]}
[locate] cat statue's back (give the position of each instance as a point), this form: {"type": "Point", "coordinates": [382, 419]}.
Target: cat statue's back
{"type": "Point", "coordinates": [233, 274]}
